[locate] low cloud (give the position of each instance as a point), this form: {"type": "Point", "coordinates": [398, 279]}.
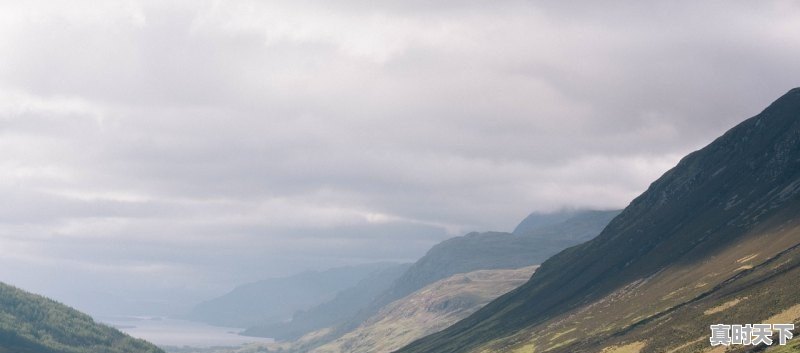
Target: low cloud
{"type": "Point", "coordinates": [200, 144]}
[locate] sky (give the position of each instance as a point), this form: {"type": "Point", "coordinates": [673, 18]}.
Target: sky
{"type": "Point", "coordinates": [156, 153]}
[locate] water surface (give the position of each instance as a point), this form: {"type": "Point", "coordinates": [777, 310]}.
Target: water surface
{"type": "Point", "coordinates": [173, 332]}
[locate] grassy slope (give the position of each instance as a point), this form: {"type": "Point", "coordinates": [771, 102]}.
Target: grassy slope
{"type": "Point", "coordinates": [702, 230]}
{"type": "Point", "coordinates": [32, 323]}
{"type": "Point", "coordinates": [428, 310]}
{"type": "Point", "coordinates": [671, 311]}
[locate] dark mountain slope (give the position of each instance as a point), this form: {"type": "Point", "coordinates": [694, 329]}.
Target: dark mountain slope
{"type": "Point", "coordinates": [276, 300]}
{"type": "Point", "coordinates": [34, 324]}
{"type": "Point", "coordinates": [676, 243]}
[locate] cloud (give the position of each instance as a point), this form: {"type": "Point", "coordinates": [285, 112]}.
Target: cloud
{"type": "Point", "coordinates": [200, 144]}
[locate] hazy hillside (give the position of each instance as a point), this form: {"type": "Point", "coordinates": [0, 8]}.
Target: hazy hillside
{"type": "Point", "coordinates": [344, 305]}
{"type": "Point", "coordinates": [276, 300]}
{"type": "Point", "coordinates": [474, 251]}
{"type": "Point", "coordinates": [31, 323]}
{"type": "Point", "coordinates": [538, 220]}
{"type": "Point", "coordinates": [428, 310]}
{"type": "Point", "coordinates": [715, 239]}
{"type": "Point", "coordinates": [496, 250]}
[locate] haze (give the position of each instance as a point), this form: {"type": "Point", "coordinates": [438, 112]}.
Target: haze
{"type": "Point", "coordinates": [156, 153]}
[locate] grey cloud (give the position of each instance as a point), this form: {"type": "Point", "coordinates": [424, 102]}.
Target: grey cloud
{"type": "Point", "coordinates": [223, 142]}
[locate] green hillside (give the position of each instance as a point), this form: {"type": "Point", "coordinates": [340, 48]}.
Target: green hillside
{"type": "Point", "coordinates": [715, 239]}
{"type": "Point", "coordinates": [31, 323]}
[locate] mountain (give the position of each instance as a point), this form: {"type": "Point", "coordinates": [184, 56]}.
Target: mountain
{"type": "Point", "coordinates": [538, 220]}
{"type": "Point", "coordinates": [427, 310]}
{"type": "Point", "coordinates": [715, 239]}
{"type": "Point", "coordinates": [472, 252]}
{"type": "Point", "coordinates": [276, 300]}
{"type": "Point", "coordinates": [496, 250]}
{"type": "Point", "coordinates": [345, 304]}
{"type": "Point", "coordinates": [31, 323]}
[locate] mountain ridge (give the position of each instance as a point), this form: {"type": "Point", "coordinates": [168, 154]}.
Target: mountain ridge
{"type": "Point", "coordinates": [496, 250]}
{"type": "Point", "coordinates": [346, 303]}
{"type": "Point", "coordinates": [275, 300]}
{"type": "Point", "coordinates": [31, 323]}
{"type": "Point", "coordinates": [427, 310]}
{"type": "Point", "coordinates": [488, 250]}
{"type": "Point", "coordinates": [749, 175]}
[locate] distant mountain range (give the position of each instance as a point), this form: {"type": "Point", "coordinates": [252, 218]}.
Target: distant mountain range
{"type": "Point", "coordinates": [272, 301]}
{"type": "Point", "coordinates": [31, 323]}
{"type": "Point", "coordinates": [345, 304]}
{"type": "Point", "coordinates": [530, 245]}
{"type": "Point", "coordinates": [538, 220]}
{"type": "Point", "coordinates": [715, 240]}
{"type": "Point", "coordinates": [542, 236]}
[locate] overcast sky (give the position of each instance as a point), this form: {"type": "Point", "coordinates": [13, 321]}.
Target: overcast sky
{"type": "Point", "coordinates": [190, 146]}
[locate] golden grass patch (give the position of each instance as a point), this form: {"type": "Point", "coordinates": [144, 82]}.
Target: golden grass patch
{"type": "Point", "coordinates": [724, 306]}
{"type": "Point", "coordinates": [634, 347]}
{"type": "Point", "coordinates": [557, 335]}
{"type": "Point", "coordinates": [747, 258]}
{"type": "Point", "coordinates": [528, 348]}
{"type": "Point", "coordinates": [717, 349]}
{"type": "Point", "coordinates": [687, 344]}
{"type": "Point", "coordinates": [787, 316]}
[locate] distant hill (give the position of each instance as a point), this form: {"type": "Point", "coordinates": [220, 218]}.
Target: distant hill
{"type": "Point", "coordinates": [275, 300]}
{"type": "Point", "coordinates": [497, 250]}
{"type": "Point", "coordinates": [537, 220]}
{"type": "Point", "coordinates": [715, 240]}
{"type": "Point", "coordinates": [344, 305]}
{"type": "Point", "coordinates": [472, 252]}
{"type": "Point", "coordinates": [427, 310]}
{"type": "Point", "coordinates": [31, 323]}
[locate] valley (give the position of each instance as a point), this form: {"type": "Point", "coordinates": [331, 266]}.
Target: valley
{"type": "Point", "coordinates": [399, 176]}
